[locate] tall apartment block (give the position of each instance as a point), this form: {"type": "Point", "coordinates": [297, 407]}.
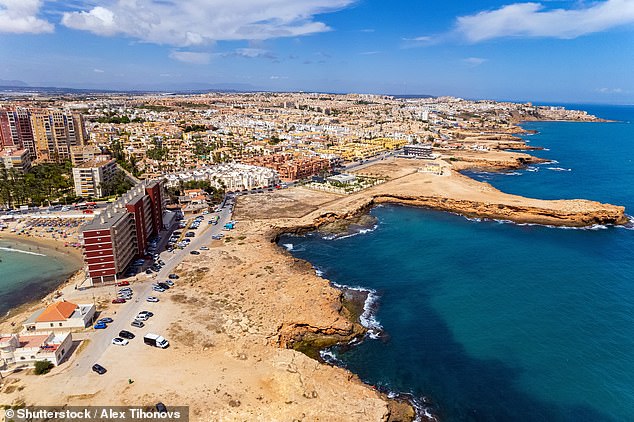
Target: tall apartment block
{"type": "Point", "coordinates": [121, 232]}
{"type": "Point", "coordinates": [47, 135]}
{"type": "Point", "coordinates": [89, 177]}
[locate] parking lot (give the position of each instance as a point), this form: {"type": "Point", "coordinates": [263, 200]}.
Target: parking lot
{"type": "Point", "coordinates": [100, 348]}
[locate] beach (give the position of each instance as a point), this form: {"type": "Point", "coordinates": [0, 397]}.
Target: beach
{"type": "Point", "coordinates": [247, 306]}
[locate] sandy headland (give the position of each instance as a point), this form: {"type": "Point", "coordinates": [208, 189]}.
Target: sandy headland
{"type": "Point", "coordinates": [246, 315]}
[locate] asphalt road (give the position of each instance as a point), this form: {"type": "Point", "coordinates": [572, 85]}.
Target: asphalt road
{"type": "Point", "coordinates": [100, 340]}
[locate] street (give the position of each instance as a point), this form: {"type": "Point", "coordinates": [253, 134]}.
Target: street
{"type": "Point", "coordinates": [123, 315]}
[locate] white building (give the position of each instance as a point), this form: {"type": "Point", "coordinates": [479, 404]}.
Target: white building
{"type": "Point", "coordinates": [26, 349]}
{"type": "Point", "coordinates": [90, 177]}
{"type": "Point", "coordinates": [19, 160]}
{"type": "Point", "coordinates": [233, 177]}
{"type": "Point", "coordinates": [61, 316]}
{"type": "Point", "coordinates": [344, 179]}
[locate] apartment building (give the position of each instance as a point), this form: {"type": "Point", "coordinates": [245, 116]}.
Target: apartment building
{"type": "Point", "coordinates": [418, 150]}
{"type": "Point", "coordinates": [121, 232]}
{"type": "Point", "coordinates": [91, 177]}
{"type": "Point", "coordinates": [47, 135]}
{"type": "Point", "coordinates": [16, 159]}
{"type": "Point", "coordinates": [82, 153]}
{"type": "Point", "coordinates": [292, 167]}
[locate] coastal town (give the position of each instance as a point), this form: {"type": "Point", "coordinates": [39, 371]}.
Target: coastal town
{"type": "Point", "coordinates": [170, 206]}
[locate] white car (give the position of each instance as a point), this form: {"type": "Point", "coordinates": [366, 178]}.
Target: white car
{"type": "Point", "coordinates": [120, 341]}
{"type": "Point", "coordinates": [204, 248]}
{"type": "Point", "coordinates": [152, 299]}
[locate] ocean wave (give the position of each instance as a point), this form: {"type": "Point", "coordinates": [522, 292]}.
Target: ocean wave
{"type": "Point", "coordinates": [21, 251]}
{"type": "Point", "coordinates": [423, 407]}
{"type": "Point", "coordinates": [368, 318]}
{"type": "Point", "coordinates": [348, 235]}
{"type": "Point", "coordinates": [329, 356]}
{"type": "Point", "coordinates": [318, 272]}
{"type": "Point", "coordinates": [532, 168]}
{"type": "Point", "coordinates": [288, 246]}
{"type": "Point", "coordinates": [558, 169]}
{"type": "Point", "coordinates": [628, 226]}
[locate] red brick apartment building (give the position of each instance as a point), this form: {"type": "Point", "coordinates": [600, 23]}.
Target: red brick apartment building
{"type": "Point", "coordinates": [291, 167]}
{"type": "Point", "coordinates": [120, 233]}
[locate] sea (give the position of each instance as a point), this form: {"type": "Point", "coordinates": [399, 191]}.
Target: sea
{"type": "Point", "coordinates": [29, 272]}
{"type": "Point", "coordinates": [480, 320]}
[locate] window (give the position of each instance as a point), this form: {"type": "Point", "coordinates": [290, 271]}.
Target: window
{"type": "Point", "coordinates": [51, 324]}
{"type": "Point", "coordinates": [60, 324]}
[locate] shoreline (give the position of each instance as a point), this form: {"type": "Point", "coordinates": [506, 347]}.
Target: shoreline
{"type": "Point", "coordinates": [261, 302]}
{"type": "Point", "coordinates": [70, 257]}
{"type": "Point", "coordinates": [569, 218]}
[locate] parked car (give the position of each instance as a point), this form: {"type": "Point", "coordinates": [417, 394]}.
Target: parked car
{"type": "Point", "coordinates": [126, 334]}
{"type": "Point", "coordinates": [100, 326]}
{"type": "Point", "coordinates": [119, 300]}
{"type": "Point", "coordinates": [120, 341]}
{"type": "Point", "coordinates": [173, 277]}
{"type": "Point", "coordinates": [169, 283]}
{"type": "Point", "coordinates": [106, 320]}
{"type": "Point", "coordinates": [152, 299]}
{"type": "Point", "coordinates": [204, 248]}
{"type": "Point", "coordinates": [123, 283]}
{"type": "Point", "coordinates": [158, 289]}
{"type": "Point", "coordinates": [137, 324]}
{"type": "Point", "coordinates": [141, 317]}
{"type": "Point", "coordinates": [194, 252]}
{"type": "Point", "coordinates": [163, 285]}
{"type": "Point", "coordinates": [99, 369]}
{"type": "Point", "coordinates": [148, 313]}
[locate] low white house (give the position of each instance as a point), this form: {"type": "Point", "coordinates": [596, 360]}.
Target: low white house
{"type": "Point", "coordinates": [26, 349]}
{"type": "Point", "coordinates": [61, 316]}
{"type": "Point", "coordinates": [342, 178]}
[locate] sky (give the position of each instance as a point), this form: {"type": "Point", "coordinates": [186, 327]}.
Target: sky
{"type": "Point", "coordinates": [549, 50]}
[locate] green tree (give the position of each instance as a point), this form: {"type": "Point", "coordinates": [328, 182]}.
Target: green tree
{"type": "Point", "coordinates": [42, 367]}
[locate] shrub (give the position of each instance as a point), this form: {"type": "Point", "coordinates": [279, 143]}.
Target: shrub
{"type": "Point", "coordinates": [42, 367]}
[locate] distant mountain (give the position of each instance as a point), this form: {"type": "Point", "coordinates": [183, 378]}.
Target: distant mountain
{"type": "Point", "coordinates": [7, 82]}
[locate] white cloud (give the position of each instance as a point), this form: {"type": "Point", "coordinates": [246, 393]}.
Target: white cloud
{"type": "Point", "coordinates": [474, 61]}
{"type": "Point", "coordinates": [201, 22]}
{"type": "Point", "coordinates": [611, 91]}
{"type": "Point", "coordinates": [253, 53]}
{"type": "Point", "coordinates": [369, 53]}
{"type": "Point", "coordinates": [98, 70]}
{"type": "Point", "coordinates": [190, 57]}
{"type": "Point", "coordinates": [419, 39]}
{"type": "Point", "coordinates": [533, 20]}
{"type": "Point", "coordinates": [20, 17]}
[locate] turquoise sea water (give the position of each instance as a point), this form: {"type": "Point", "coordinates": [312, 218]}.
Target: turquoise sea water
{"type": "Point", "coordinates": [494, 321]}
{"type": "Point", "coordinates": [25, 276]}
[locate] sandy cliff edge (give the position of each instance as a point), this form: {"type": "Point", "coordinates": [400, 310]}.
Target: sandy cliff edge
{"type": "Point", "coordinates": [242, 307]}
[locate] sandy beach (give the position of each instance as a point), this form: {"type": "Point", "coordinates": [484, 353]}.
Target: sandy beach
{"type": "Point", "coordinates": [242, 309]}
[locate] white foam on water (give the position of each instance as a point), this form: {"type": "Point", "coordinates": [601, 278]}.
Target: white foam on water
{"type": "Point", "coordinates": [288, 246]}
{"type": "Point", "coordinates": [21, 251]}
{"type": "Point", "coordinates": [558, 169]}
{"type": "Point", "coordinates": [368, 317]}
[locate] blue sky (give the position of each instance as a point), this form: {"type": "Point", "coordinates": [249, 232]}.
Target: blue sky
{"type": "Point", "coordinates": [561, 51]}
